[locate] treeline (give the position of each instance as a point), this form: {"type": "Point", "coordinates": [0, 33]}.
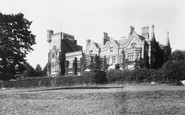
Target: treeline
{"type": "Point", "coordinates": [33, 72]}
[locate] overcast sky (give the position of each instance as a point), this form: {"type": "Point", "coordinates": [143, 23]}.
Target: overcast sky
{"type": "Point", "coordinates": [88, 19]}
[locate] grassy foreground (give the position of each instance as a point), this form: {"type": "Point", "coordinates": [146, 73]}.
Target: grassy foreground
{"type": "Point", "coordinates": [136, 100]}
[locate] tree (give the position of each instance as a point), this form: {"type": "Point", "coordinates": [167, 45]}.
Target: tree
{"type": "Point", "coordinates": [75, 66]}
{"type": "Point", "coordinates": [15, 42]}
{"type": "Point", "coordinates": [178, 55]}
{"type": "Point", "coordinates": [44, 71]}
{"type": "Point", "coordinates": [38, 71]}
{"type": "Point", "coordinates": [104, 64]}
{"type": "Point", "coordinates": [167, 51]}
{"type": "Point", "coordinates": [62, 60]}
{"type": "Point", "coordinates": [29, 71]}
{"type": "Point", "coordinates": [83, 63]}
{"type": "Point", "coordinates": [97, 62]}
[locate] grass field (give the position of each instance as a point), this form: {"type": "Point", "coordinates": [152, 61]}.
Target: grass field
{"type": "Point", "coordinates": [95, 100]}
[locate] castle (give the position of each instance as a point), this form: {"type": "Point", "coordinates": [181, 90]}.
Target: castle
{"type": "Point", "coordinates": [131, 48]}
{"type": "Point", "coordinates": [59, 43]}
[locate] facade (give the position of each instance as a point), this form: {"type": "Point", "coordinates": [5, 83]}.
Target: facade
{"type": "Point", "coordinates": [131, 48]}
{"type": "Point", "coordinates": [59, 44]}
{"type": "Point", "coordinates": [127, 49]}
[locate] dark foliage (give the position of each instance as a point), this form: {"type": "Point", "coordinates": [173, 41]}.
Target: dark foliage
{"type": "Point", "coordinates": [178, 55]}
{"type": "Point", "coordinates": [117, 67]}
{"type": "Point", "coordinates": [62, 60]}
{"type": "Point", "coordinates": [15, 42]}
{"type": "Point", "coordinates": [75, 66]}
{"type": "Point", "coordinates": [96, 76]}
{"type": "Point", "coordinates": [115, 76]}
{"type": "Point", "coordinates": [38, 71]}
{"type": "Point", "coordinates": [174, 71]}
{"type": "Point", "coordinates": [44, 71]}
{"type": "Point", "coordinates": [29, 71]}
{"type": "Point", "coordinates": [83, 64]}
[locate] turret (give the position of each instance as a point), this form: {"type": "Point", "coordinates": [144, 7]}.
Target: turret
{"type": "Point", "coordinates": [49, 35]}
{"type": "Point", "coordinates": [153, 34]}
{"type": "Point", "coordinates": [131, 31]}
{"type": "Point", "coordinates": [168, 40]}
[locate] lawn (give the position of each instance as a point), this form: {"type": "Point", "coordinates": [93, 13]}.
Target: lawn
{"type": "Point", "coordinates": [94, 100]}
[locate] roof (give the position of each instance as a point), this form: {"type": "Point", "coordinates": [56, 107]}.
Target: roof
{"type": "Point", "coordinates": [122, 41]}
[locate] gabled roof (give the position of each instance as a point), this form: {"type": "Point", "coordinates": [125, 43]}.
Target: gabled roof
{"type": "Point", "coordinates": [94, 44]}
{"type": "Point", "coordinates": [125, 41]}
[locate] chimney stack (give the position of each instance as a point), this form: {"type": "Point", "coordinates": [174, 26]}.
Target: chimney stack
{"type": "Point", "coordinates": [131, 31]}
{"type": "Point", "coordinates": [87, 42]}
{"type": "Point", "coordinates": [167, 39]}
{"type": "Point", "coordinates": [145, 32]}
{"type": "Point", "coordinates": [105, 38]}
{"type": "Point", "coordinates": [153, 34]}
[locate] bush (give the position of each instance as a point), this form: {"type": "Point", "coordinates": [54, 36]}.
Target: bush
{"type": "Point", "coordinates": [117, 66]}
{"type": "Point", "coordinates": [95, 76]}
{"type": "Point", "coordinates": [115, 76]}
{"type": "Point", "coordinates": [174, 72]}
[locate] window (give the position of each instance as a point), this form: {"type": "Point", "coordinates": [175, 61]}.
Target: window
{"type": "Point", "coordinates": [70, 64]}
{"type": "Point", "coordinates": [53, 55]}
{"type": "Point", "coordinates": [90, 51]}
{"type": "Point", "coordinates": [121, 59]}
{"type": "Point", "coordinates": [130, 56]}
{"type": "Point", "coordinates": [111, 49]}
{"type": "Point", "coordinates": [108, 60]}
{"type": "Point", "coordinates": [138, 55]}
{"type": "Point", "coordinates": [78, 64]}
{"type": "Point", "coordinates": [133, 45]}
{"type": "Point", "coordinates": [52, 65]}
{"type": "Point", "coordinates": [54, 47]}
{"type": "Point", "coordinates": [113, 60]}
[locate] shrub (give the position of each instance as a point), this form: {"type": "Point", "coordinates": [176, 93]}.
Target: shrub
{"type": "Point", "coordinates": [141, 75]}
{"type": "Point", "coordinates": [95, 76]}
{"type": "Point", "coordinates": [115, 76]}
{"type": "Point", "coordinates": [174, 71]}
{"type": "Point", "coordinates": [117, 66]}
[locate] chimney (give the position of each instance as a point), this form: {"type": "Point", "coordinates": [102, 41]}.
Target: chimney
{"type": "Point", "coordinates": [167, 39]}
{"type": "Point", "coordinates": [49, 35]}
{"type": "Point", "coordinates": [87, 42]}
{"type": "Point", "coordinates": [153, 34]}
{"type": "Point", "coordinates": [145, 32]}
{"type": "Point", "coordinates": [105, 38]}
{"type": "Point", "coordinates": [131, 31]}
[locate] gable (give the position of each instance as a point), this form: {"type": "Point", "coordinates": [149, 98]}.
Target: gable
{"type": "Point", "coordinates": [134, 40]}
{"type": "Point", "coordinates": [92, 47]}
{"type": "Point", "coordinates": [110, 48]}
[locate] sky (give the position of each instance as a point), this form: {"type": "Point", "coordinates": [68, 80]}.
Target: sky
{"type": "Point", "coordinates": [88, 19]}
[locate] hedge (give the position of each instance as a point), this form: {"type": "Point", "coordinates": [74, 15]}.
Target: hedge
{"type": "Point", "coordinates": [137, 76]}
{"type": "Point", "coordinates": [43, 82]}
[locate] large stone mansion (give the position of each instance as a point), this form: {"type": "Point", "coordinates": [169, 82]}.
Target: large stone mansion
{"type": "Point", "coordinates": [131, 48]}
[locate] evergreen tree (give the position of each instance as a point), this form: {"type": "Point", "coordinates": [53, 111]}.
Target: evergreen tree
{"type": "Point", "coordinates": [178, 55]}
{"type": "Point", "coordinates": [38, 71]}
{"type": "Point", "coordinates": [29, 71]}
{"type": "Point", "coordinates": [97, 64]}
{"type": "Point", "coordinates": [44, 71]}
{"type": "Point", "coordinates": [15, 42]}
{"type": "Point", "coordinates": [75, 66]}
{"type": "Point", "coordinates": [62, 60]}
{"type": "Point", "coordinates": [83, 64]}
